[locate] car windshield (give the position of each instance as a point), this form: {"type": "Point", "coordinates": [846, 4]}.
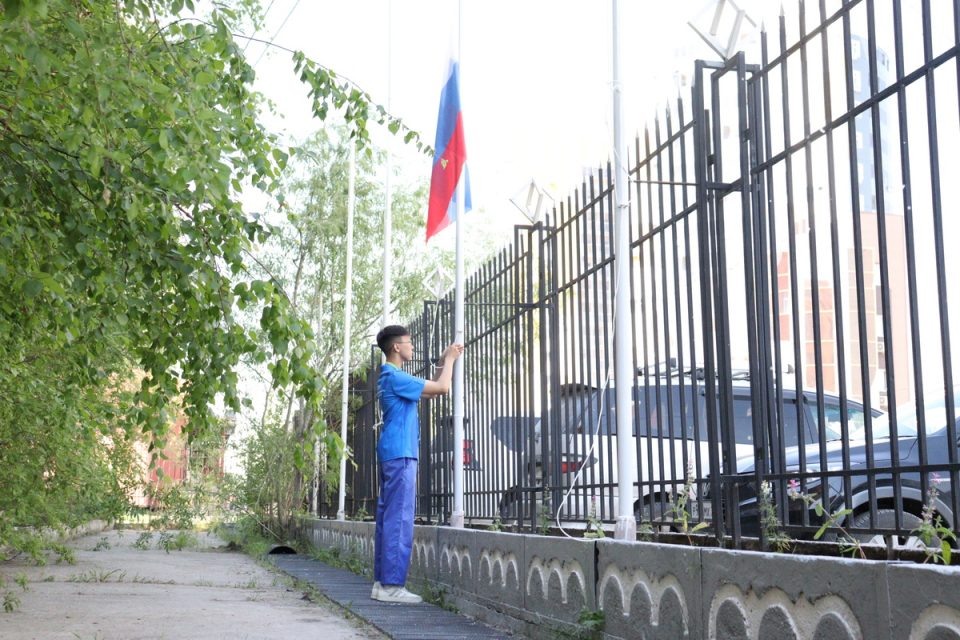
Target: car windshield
{"type": "Point", "coordinates": [677, 414]}
{"type": "Point", "coordinates": [934, 416]}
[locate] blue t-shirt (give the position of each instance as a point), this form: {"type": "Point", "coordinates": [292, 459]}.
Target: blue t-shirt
{"type": "Point", "coordinates": [399, 392]}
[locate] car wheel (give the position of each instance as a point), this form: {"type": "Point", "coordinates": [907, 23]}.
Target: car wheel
{"type": "Point", "coordinates": [886, 519]}
{"type": "Point", "coordinates": [509, 507]}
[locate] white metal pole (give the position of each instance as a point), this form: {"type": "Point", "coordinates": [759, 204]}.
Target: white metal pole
{"type": "Point", "coordinates": [626, 528]}
{"type": "Point", "coordinates": [388, 205]}
{"type": "Point", "coordinates": [456, 518]}
{"type": "Point", "coordinates": [347, 312]}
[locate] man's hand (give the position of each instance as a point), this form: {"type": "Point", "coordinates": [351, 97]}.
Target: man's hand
{"type": "Point", "coordinates": [452, 352]}
{"type": "Point", "coordinates": [441, 378]}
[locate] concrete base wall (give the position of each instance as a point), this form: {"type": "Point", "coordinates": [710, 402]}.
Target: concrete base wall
{"type": "Point", "coordinates": [539, 586]}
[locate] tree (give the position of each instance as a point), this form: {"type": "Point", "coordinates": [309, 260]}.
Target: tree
{"type": "Point", "coordinates": [306, 256]}
{"type": "Point", "coordinates": [128, 129]}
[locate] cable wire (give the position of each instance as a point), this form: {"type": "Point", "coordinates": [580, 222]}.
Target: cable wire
{"type": "Point", "coordinates": [277, 33]}
{"type": "Point", "coordinates": [265, 14]}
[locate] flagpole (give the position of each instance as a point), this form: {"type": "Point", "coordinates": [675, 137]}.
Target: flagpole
{"type": "Point", "coordinates": [626, 526]}
{"type": "Point", "coordinates": [456, 518]}
{"type": "Point", "coordinates": [347, 312]}
{"type": "Point", "coordinates": [388, 205]}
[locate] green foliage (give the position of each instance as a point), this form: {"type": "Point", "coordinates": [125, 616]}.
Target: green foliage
{"type": "Point", "coordinates": [592, 623]}
{"type": "Point", "coordinates": [328, 90]}
{"type": "Point", "coordinates": [936, 535]}
{"type": "Point", "coordinates": [594, 527]}
{"type": "Point", "coordinates": [129, 130]}
{"type": "Point", "coordinates": [769, 521]}
{"type": "Point", "coordinates": [99, 575]}
{"type": "Point", "coordinates": [102, 544]}
{"type": "Point", "coordinates": [268, 493]}
{"type": "Point", "coordinates": [10, 600]}
{"type": "Point", "coordinates": [247, 534]}
{"type": "Point", "coordinates": [437, 595]}
{"type": "Point", "coordinates": [680, 506]}
{"type": "Point", "coordinates": [306, 257]}
{"type": "Point", "coordinates": [333, 556]}
{"type": "Point", "coordinates": [849, 545]}
{"type": "Point", "coordinates": [544, 516]}
{"type": "Point", "coordinates": [361, 514]}
{"type": "Point", "coordinates": [176, 540]}
{"type": "Point", "coordinates": [143, 540]}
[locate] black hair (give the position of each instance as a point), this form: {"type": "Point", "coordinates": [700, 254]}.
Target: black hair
{"type": "Point", "coordinates": [387, 336]}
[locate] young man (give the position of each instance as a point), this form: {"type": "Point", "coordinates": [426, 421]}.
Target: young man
{"type": "Point", "coordinates": [397, 451]}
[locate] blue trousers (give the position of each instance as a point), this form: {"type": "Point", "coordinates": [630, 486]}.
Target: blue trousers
{"type": "Point", "coordinates": [393, 537]}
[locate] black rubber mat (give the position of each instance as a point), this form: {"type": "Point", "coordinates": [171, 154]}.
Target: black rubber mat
{"type": "Point", "coordinates": [399, 621]}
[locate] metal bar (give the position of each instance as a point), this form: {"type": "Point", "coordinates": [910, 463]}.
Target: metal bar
{"type": "Point", "coordinates": [937, 207]}
{"type": "Point", "coordinates": [794, 277]}
{"type": "Point", "coordinates": [859, 275]}
{"type": "Point", "coordinates": [691, 331]}
{"type": "Point", "coordinates": [814, 270]}
{"type": "Point", "coordinates": [718, 240]}
{"type": "Point", "coordinates": [653, 304]}
{"type": "Point", "coordinates": [608, 291]}
{"type": "Point", "coordinates": [700, 120]}
{"type": "Point", "coordinates": [648, 489]}
{"type": "Point", "coordinates": [881, 212]}
{"type": "Point", "coordinates": [838, 307]}
{"type": "Point", "coordinates": [686, 463]}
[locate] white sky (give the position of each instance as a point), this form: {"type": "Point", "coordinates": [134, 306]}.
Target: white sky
{"type": "Point", "coordinates": [535, 82]}
{"type": "Point", "coordinates": [535, 76]}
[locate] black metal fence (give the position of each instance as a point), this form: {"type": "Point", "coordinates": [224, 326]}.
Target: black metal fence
{"type": "Point", "coordinates": [791, 306]}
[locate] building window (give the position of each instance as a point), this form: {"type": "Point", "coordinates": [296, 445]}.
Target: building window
{"type": "Point", "coordinates": [881, 353]}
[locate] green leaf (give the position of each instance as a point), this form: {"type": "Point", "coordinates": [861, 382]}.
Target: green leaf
{"type": "Point", "coordinates": [32, 287]}
{"type": "Point", "coordinates": [823, 528]}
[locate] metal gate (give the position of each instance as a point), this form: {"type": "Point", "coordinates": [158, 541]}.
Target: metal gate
{"type": "Point", "coordinates": [779, 288]}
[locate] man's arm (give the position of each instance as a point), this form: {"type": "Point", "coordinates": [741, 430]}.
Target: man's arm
{"type": "Point", "coordinates": [440, 384]}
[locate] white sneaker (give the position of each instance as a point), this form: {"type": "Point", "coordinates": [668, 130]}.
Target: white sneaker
{"type": "Point", "coordinates": [377, 587]}
{"type": "Point", "coordinates": [397, 594]}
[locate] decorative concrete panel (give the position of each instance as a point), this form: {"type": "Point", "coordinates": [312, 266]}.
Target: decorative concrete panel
{"type": "Point", "coordinates": [560, 577]}
{"type": "Point", "coordinates": [457, 558]}
{"type": "Point", "coordinates": [924, 601]}
{"type": "Point", "coordinates": [424, 566]}
{"type": "Point", "coordinates": [764, 596]}
{"type": "Point", "coordinates": [500, 568]}
{"type": "Point", "coordinates": [649, 591]}
{"type": "Point", "coordinates": [539, 585]}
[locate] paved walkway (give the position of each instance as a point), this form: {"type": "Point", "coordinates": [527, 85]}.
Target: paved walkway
{"type": "Point", "coordinates": [120, 591]}
{"type": "Point", "coordinates": [399, 621]}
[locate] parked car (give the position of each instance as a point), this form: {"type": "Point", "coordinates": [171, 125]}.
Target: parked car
{"type": "Point", "coordinates": [671, 425]}
{"type": "Point", "coordinates": [441, 447]}
{"type": "Point", "coordinates": [890, 515]}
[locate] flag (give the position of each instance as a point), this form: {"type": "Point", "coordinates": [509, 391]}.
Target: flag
{"type": "Point", "coordinates": [449, 159]}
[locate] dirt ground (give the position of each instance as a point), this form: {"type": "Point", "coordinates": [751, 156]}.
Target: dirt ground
{"type": "Point", "coordinates": [119, 591]}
